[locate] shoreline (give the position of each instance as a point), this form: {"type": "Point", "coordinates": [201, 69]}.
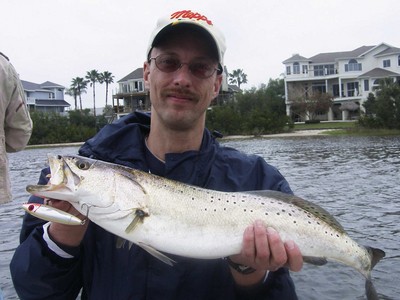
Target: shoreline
{"type": "Point", "coordinates": [296, 133]}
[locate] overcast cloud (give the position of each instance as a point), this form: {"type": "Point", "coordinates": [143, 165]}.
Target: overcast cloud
{"type": "Point", "coordinates": [57, 40]}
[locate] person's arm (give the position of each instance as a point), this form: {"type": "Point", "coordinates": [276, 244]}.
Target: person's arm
{"type": "Point", "coordinates": [18, 124]}
{"type": "Point", "coordinates": [40, 272]}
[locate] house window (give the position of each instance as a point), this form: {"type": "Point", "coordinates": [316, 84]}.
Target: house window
{"type": "Point", "coordinates": [353, 65]}
{"type": "Point", "coordinates": [329, 69]}
{"type": "Point", "coordinates": [319, 87]}
{"type": "Point", "coordinates": [386, 63]}
{"type": "Point", "coordinates": [288, 70]}
{"type": "Point", "coordinates": [366, 85]}
{"type": "Point", "coordinates": [319, 70]}
{"type": "Point", "coordinates": [336, 91]}
{"type": "Point", "coordinates": [296, 68]}
{"type": "Point", "coordinates": [398, 60]}
{"type": "Point", "coordinates": [305, 68]}
{"type": "Point", "coordinates": [352, 89]}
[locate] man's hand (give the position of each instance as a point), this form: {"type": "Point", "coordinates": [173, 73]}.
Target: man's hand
{"type": "Point", "coordinates": [69, 235]}
{"type": "Point", "coordinates": [264, 251]}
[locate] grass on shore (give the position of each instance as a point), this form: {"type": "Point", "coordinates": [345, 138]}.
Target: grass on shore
{"type": "Point", "coordinates": [347, 128]}
{"type": "Point", "coordinates": [325, 125]}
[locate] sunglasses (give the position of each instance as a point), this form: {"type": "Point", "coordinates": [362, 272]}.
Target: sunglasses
{"type": "Point", "coordinates": [201, 68]}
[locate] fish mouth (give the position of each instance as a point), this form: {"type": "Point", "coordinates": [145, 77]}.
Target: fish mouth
{"type": "Point", "coordinates": [62, 183]}
{"type": "Point", "coordinates": [58, 192]}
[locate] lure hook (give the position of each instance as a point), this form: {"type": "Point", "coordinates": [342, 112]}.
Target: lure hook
{"type": "Point", "coordinates": [88, 207]}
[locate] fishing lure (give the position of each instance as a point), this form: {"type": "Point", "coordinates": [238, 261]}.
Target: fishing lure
{"type": "Point", "coordinates": [49, 213]}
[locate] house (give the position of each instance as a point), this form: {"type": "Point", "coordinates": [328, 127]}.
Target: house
{"type": "Point", "coordinates": [348, 76]}
{"type": "Point", "coordinates": [45, 97]}
{"type": "Point", "coordinates": [132, 94]}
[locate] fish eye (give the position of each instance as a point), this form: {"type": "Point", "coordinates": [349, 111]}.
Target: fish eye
{"type": "Point", "coordinates": [83, 165]}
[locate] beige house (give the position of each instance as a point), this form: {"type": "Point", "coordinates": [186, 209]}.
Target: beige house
{"type": "Point", "coordinates": [348, 76]}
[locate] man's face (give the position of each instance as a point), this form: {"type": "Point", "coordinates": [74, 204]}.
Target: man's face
{"type": "Point", "coordinates": [180, 99]}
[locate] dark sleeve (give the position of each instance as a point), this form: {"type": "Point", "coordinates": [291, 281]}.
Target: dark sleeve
{"type": "Point", "coordinates": [278, 286]}
{"type": "Point", "coordinates": [36, 271]}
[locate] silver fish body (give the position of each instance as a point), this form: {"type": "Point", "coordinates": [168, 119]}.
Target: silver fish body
{"type": "Point", "coordinates": [172, 217]}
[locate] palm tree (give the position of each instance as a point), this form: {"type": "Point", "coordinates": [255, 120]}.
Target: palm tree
{"type": "Point", "coordinates": [72, 91]}
{"type": "Point", "coordinates": [107, 78]}
{"type": "Point", "coordinates": [237, 77]}
{"type": "Point", "coordinates": [93, 77]}
{"type": "Point", "coordinates": [78, 87]}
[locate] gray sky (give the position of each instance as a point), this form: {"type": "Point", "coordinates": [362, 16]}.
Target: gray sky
{"type": "Point", "coordinates": [57, 40]}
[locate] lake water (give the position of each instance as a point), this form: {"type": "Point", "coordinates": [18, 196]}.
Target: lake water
{"type": "Point", "coordinates": [355, 178]}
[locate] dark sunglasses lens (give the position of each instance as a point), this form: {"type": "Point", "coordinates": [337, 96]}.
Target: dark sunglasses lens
{"type": "Point", "coordinates": [167, 63]}
{"type": "Point", "coordinates": [201, 69]}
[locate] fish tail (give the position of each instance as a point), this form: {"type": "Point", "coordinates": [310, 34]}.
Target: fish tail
{"type": "Point", "coordinates": [376, 255]}
{"type": "Point", "coordinates": [370, 290]}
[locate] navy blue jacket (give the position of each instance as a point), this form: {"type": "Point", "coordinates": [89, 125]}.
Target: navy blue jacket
{"type": "Point", "coordinates": [106, 272]}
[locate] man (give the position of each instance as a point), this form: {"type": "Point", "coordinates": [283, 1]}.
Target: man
{"type": "Point", "coordinates": [183, 75]}
{"type": "Point", "coordinates": [15, 123]}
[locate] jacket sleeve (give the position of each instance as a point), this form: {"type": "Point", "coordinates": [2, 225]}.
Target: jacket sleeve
{"type": "Point", "coordinates": [36, 271]}
{"type": "Point", "coordinates": [17, 123]}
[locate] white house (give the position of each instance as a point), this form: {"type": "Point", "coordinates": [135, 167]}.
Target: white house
{"type": "Point", "coordinates": [349, 76]}
{"type": "Point", "coordinates": [45, 97]}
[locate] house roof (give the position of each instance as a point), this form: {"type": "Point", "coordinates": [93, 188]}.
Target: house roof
{"type": "Point", "coordinates": [137, 74]}
{"type": "Point", "coordinates": [294, 58]}
{"type": "Point", "coordinates": [333, 56]}
{"type": "Point", "coordinates": [234, 88]}
{"type": "Point", "coordinates": [31, 86]}
{"type": "Point", "coordinates": [378, 73]}
{"type": "Point", "coordinates": [388, 51]}
{"type": "Point", "coordinates": [51, 102]}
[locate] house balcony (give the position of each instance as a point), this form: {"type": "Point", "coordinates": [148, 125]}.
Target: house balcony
{"type": "Point", "coordinates": [30, 100]}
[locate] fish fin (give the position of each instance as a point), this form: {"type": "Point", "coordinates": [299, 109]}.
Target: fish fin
{"type": "Point", "coordinates": [309, 207]}
{"type": "Point", "coordinates": [139, 216]}
{"type": "Point", "coordinates": [370, 291]}
{"type": "Point", "coordinates": [157, 254]}
{"type": "Point", "coordinates": [316, 261]}
{"type": "Point", "coordinates": [120, 242]}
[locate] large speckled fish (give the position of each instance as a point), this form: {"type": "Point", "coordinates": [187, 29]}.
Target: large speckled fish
{"type": "Point", "coordinates": [163, 215]}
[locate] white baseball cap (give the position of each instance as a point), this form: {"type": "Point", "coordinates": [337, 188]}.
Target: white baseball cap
{"type": "Point", "coordinates": [166, 24]}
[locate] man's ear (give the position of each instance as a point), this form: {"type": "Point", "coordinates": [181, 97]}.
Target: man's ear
{"type": "Point", "coordinates": [217, 85]}
{"type": "Point", "coordinates": [146, 75]}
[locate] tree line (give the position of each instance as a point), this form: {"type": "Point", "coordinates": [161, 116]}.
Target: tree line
{"type": "Point", "coordinates": [383, 110]}
{"type": "Point", "coordinates": [255, 111]}
{"type": "Point", "coordinates": [53, 128]}
{"type": "Point", "coordinates": [79, 86]}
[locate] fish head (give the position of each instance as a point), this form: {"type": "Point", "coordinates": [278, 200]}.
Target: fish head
{"type": "Point", "coordinates": [86, 182]}
{"type": "Point", "coordinates": [61, 184]}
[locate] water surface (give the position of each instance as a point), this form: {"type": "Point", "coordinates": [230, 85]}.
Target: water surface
{"type": "Point", "coordinates": [355, 178]}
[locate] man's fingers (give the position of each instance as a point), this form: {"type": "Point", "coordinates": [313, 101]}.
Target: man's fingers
{"type": "Point", "coordinates": [295, 259]}
{"type": "Point", "coordinates": [278, 255]}
{"type": "Point", "coordinates": [249, 249]}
